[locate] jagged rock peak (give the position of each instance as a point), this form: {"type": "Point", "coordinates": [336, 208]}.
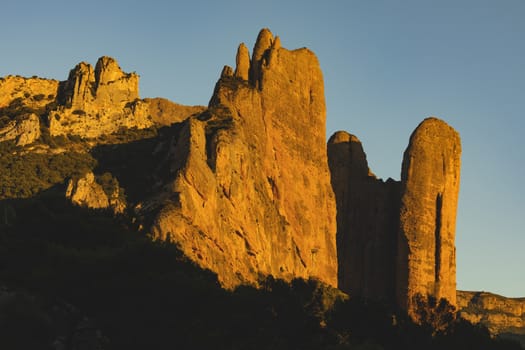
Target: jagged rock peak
{"type": "Point", "coordinates": [227, 71]}
{"type": "Point", "coordinates": [430, 186]}
{"type": "Point", "coordinates": [264, 42]}
{"type": "Point", "coordinates": [107, 70]}
{"type": "Point", "coordinates": [78, 88]}
{"type": "Point", "coordinates": [262, 45]}
{"type": "Point", "coordinates": [242, 62]}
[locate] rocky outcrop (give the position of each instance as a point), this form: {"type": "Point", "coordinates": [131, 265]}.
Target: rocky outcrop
{"type": "Point", "coordinates": [367, 221]}
{"type": "Point", "coordinates": [90, 103]}
{"type": "Point", "coordinates": [24, 130]}
{"type": "Point", "coordinates": [252, 193]}
{"type": "Point", "coordinates": [430, 177]}
{"type": "Point", "coordinates": [88, 193]}
{"type": "Point", "coordinates": [99, 101]}
{"type": "Point", "coordinates": [502, 316]}
{"type": "Point", "coordinates": [395, 240]}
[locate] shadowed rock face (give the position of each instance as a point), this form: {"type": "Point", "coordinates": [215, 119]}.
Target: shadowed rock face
{"type": "Point", "coordinates": [430, 187]}
{"type": "Point", "coordinates": [252, 193]}
{"type": "Point", "coordinates": [367, 214]}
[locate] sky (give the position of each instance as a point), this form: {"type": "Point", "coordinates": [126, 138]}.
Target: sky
{"type": "Point", "coordinates": [387, 65]}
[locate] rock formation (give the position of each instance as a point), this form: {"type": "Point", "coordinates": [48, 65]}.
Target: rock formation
{"type": "Point", "coordinates": [426, 257]}
{"type": "Point", "coordinates": [502, 316]}
{"type": "Point", "coordinates": [91, 102]}
{"type": "Point", "coordinates": [252, 193]}
{"type": "Point", "coordinates": [88, 193]}
{"type": "Point", "coordinates": [367, 221]}
{"type": "Point", "coordinates": [24, 130]}
{"type": "Point", "coordinates": [99, 101]}
{"type": "Point", "coordinates": [396, 239]}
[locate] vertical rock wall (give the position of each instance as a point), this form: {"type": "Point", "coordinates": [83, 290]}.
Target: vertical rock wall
{"type": "Point", "coordinates": [367, 217]}
{"type": "Point", "coordinates": [252, 194]}
{"type": "Point", "coordinates": [430, 185]}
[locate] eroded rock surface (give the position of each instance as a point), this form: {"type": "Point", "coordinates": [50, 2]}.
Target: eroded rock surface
{"type": "Point", "coordinates": [252, 192]}
{"type": "Point", "coordinates": [88, 193]}
{"type": "Point", "coordinates": [24, 130]}
{"type": "Point", "coordinates": [367, 221]}
{"type": "Point", "coordinates": [501, 315]}
{"type": "Point", "coordinates": [430, 177]}
{"type": "Point", "coordinates": [90, 103]}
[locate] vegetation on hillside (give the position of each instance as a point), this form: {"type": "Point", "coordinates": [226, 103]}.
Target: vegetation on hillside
{"type": "Point", "coordinates": [147, 295]}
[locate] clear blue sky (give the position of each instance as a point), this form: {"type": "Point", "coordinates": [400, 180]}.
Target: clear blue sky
{"type": "Point", "coordinates": [387, 65]}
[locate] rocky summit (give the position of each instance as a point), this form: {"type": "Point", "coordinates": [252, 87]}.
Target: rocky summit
{"type": "Point", "coordinates": [239, 204]}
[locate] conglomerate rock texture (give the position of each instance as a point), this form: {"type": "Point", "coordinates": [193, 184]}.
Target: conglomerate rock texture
{"type": "Point", "coordinates": [430, 177]}
{"type": "Point", "coordinates": [252, 192]}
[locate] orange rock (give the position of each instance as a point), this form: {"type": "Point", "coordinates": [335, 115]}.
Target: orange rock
{"type": "Point", "coordinates": [252, 193]}
{"type": "Point", "coordinates": [499, 314]}
{"type": "Point", "coordinates": [430, 184]}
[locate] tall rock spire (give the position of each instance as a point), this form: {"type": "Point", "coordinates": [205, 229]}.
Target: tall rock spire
{"type": "Point", "coordinates": [242, 62]}
{"type": "Point", "coordinates": [426, 262]}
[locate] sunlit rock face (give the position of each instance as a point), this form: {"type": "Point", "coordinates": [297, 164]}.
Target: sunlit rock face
{"type": "Point", "coordinates": [102, 100]}
{"type": "Point", "coordinates": [90, 103]}
{"type": "Point", "coordinates": [430, 177]}
{"type": "Point", "coordinates": [24, 130]}
{"type": "Point", "coordinates": [252, 194]}
{"type": "Point", "coordinates": [395, 240]}
{"type": "Point", "coordinates": [21, 100]}
{"type": "Point", "coordinates": [499, 314]}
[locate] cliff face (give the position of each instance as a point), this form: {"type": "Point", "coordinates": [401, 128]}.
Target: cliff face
{"type": "Point", "coordinates": [502, 316]}
{"type": "Point", "coordinates": [430, 187]}
{"type": "Point", "coordinates": [252, 193]}
{"type": "Point", "coordinates": [396, 239]}
{"type": "Point", "coordinates": [367, 220]}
